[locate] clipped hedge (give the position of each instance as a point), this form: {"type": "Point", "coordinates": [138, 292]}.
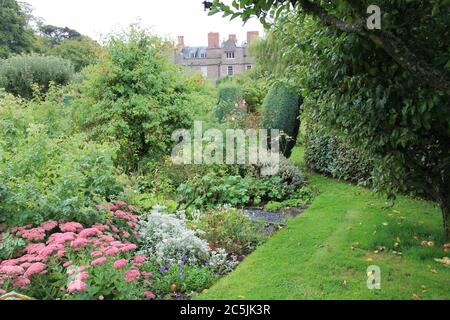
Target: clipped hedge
{"type": "Point", "coordinates": [281, 109]}
{"type": "Point", "coordinates": [330, 155]}
{"type": "Point", "coordinates": [19, 74]}
{"type": "Point", "coordinates": [229, 95]}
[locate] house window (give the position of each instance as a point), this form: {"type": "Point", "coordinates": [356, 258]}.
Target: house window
{"type": "Point", "coordinates": [205, 71]}
{"type": "Point", "coordinates": [249, 67]}
{"type": "Point", "coordinates": [229, 54]}
{"type": "Point", "coordinates": [203, 55]}
{"type": "Point", "coordinates": [230, 70]}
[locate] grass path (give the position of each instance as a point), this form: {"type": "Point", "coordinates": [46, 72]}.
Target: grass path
{"type": "Point", "coordinates": [324, 253]}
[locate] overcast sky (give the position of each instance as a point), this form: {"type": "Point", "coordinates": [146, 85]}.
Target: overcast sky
{"type": "Point", "coordinates": [98, 18]}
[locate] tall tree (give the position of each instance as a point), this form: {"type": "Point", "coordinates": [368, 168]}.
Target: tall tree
{"type": "Point", "coordinates": [349, 16]}
{"type": "Point", "coordinates": [55, 35]}
{"type": "Point", "coordinates": [15, 36]}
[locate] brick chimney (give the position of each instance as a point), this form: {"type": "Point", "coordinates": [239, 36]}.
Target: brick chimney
{"type": "Point", "coordinates": [233, 38]}
{"type": "Point", "coordinates": [181, 41]}
{"type": "Point", "coordinates": [213, 40]}
{"type": "Point", "coordinates": [252, 35]}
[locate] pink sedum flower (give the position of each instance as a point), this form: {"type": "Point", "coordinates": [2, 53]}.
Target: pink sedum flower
{"type": "Point", "coordinates": [119, 264]}
{"type": "Point", "coordinates": [76, 286]}
{"type": "Point", "coordinates": [90, 232]}
{"type": "Point", "coordinates": [36, 234]}
{"type": "Point", "coordinates": [112, 251]}
{"type": "Point", "coordinates": [12, 270]}
{"type": "Point", "coordinates": [35, 268]}
{"type": "Point", "coordinates": [49, 225]}
{"type": "Point", "coordinates": [79, 242]}
{"type": "Point", "coordinates": [149, 295]}
{"type": "Point", "coordinates": [132, 275]}
{"type": "Point", "coordinates": [71, 227]}
{"type": "Point", "coordinates": [140, 259]}
{"type": "Point", "coordinates": [128, 247]}
{"type": "Point", "coordinates": [21, 282]}
{"type": "Point", "coordinates": [67, 264]}
{"type": "Point", "coordinates": [98, 261]}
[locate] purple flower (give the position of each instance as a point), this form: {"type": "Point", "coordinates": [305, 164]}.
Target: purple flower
{"type": "Point", "coordinates": [182, 276]}
{"type": "Point", "coordinates": [181, 264]}
{"type": "Point", "coordinates": [184, 257]}
{"type": "Point", "coordinates": [162, 270]}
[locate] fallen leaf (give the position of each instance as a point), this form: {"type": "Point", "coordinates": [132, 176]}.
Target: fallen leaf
{"type": "Point", "coordinates": [416, 296]}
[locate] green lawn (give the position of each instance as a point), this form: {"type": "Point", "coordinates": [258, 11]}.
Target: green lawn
{"type": "Point", "coordinates": [324, 253]}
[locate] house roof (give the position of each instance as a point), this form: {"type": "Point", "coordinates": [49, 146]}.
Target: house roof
{"type": "Point", "coordinates": [193, 52]}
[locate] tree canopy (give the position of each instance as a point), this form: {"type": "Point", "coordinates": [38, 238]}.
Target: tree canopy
{"type": "Point", "coordinates": [15, 36]}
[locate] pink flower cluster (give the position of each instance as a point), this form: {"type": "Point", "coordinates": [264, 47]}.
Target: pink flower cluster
{"type": "Point", "coordinates": [46, 240]}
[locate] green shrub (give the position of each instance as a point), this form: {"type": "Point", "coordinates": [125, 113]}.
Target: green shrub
{"type": "Point", "coordinates": [19, 74]}
{"type": "Point", "coordinates": [281, 110]}
{"type": "Point", "coordinates": [136, 98]}
{"type": "Point", "coordinates": [302, 198]}
{"type": "Point", "coordinates": [187, 280]}
{"type": "Point", "coordinates": [81, 52]}
{"type": "Point", "coordinates": [229, 94]}
{"type": "Point", "coordinates": [241, 187]}
{"type": "Point", "coordinates": [330, 155]}
{"type": "Point", "coordinates": [54, 178]}
{"type": "Point", "coordinates": [9, 245]}
{"type": "Point", "coordinates": [46, 173]}
{"type": "Point", "coordinates": [274, 206]}
{"type": "Point", "coordinates": [232, 230]}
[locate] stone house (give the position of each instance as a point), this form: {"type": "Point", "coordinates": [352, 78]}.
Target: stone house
{"type": "Point", "coordinates": [217, 60]}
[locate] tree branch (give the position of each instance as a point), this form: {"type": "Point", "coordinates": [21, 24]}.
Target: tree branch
{"type": "Point", "coordinates": [391, 44]}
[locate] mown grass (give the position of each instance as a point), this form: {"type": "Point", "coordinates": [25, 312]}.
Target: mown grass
{"type": "Point", "coordinates": [325, 253]}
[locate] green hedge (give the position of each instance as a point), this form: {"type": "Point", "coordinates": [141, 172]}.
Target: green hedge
{"type": "Point", "coordinates": [330, 155]}
{"type": "Point", "coordinates": [19, 74]}
{"type": "Point", "coordinates": [281, 109]}
{"type": "Point", "coordinates": [229, 94]}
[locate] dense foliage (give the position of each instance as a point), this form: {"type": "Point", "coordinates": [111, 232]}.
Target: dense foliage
{"type": "Point", "coordinates": [15, 36]}
{"type": "Point", "coordinates": [282, 111]}
{"type": "Point", "coordinates": [240, 187]}
{"type": "Point", "coordinates": [230, 95]}
{"type": "Point", "coordinates": [80, 52]}
{"type": "Point", "coordinates": [25, 74]}
{"type": "Point", "coordinates": [329, 154]}
{"type": "Point", "coordinates": [135, 98]}
{"type": "Point", "coordinates": [45, 174]}
{"type": "Point", "coordinates": [386, 90]}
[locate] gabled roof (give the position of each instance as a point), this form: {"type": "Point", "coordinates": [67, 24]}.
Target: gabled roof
{"type": "Point", "coordinates": [193, 52]}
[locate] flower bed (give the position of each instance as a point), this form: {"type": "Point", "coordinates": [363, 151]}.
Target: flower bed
{"type": "Point", "coordinates": [130, 256]}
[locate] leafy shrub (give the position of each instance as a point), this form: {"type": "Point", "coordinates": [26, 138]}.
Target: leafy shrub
{"type": "Point", "coordinates": [329, 154]}
{"type": "Point", "coordinates": [288, 172]}
{"type": "Point", "coordinates": [19, 74]}
{"type": "Point", "coordinates": [9, 245]}
{"type": "Point", "coordinates": [54, 178]}
{"type": "Point", "coordinates": [300, 199]}
{"type": "Point", "coordinates": [81, 52]}
{"type": "Point", "coordinates": [167, 237]}
{"type": "Point", "coordinates": [282, 111]}
{"type": "Point", "coordinates": [183, 279]}
{"type": "Point", "coordinates": [214, 190]}
{"type": "Point", "coordinates": [136, 98]}
{"type": "Point", "coordinates": [232, 230]}
{"type": "Point", "coordinates": [249, 187]}
{"type": "Point", "coordinates": [229, 94]}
